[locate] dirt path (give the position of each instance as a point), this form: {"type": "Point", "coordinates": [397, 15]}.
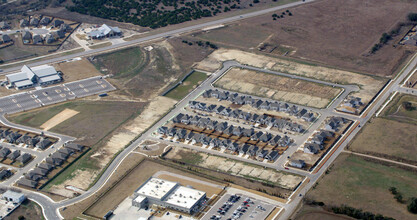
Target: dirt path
{"type": "Point", "coordinates": [383, 159]}
{"type": "Point", "coordinates": [59, 118]}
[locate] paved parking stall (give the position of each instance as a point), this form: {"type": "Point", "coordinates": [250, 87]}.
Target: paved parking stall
{"type": "Point", "coordinates": [55, 94]}
{"type": "Point", "coordinates": [89, 86]}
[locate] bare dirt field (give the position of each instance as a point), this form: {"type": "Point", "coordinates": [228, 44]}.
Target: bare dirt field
{"type": "Point", "coordinates": [329, 32]}
{"type": "Point", "coordinates": [76, 70]}
{"type": "Point", "coordinates": [276, 87]}
{"type": "Point", "coordinates": [369, 85]}
{"type": "Point", "coordinates": [389, 139]}
{"type": "Point", "coordinates": [235, 167]}
{"type": "Point", "coordinates": [364, 184]}
{"type": "Point", "coordinates": [59, 118]}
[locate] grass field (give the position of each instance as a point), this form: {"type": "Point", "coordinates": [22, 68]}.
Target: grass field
{"type": "Point", "coordinates": [278, 87]}
{"type": "Point", "coordinates": [187, 86]}
{"type": "Point", "coordinates": [28, 209]}
{"type": "Point", "coordinates": [316, 213]}
{"type": "Point", "coordinates": [362, 184]}
{"type": "Point", "coordinates": [396, 111]}
{"type": "Point", "coordinates": [389, 139]}
{"type": "Point", "coordinates": [95, 120]}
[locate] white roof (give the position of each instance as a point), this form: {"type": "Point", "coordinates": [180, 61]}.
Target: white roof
{"type": "Point", "coordinates": [156, 188]}
{"type": "Point", "coordinates": [11, 194]}
{"type": "Point", "coordinates": [49, 78]}
{"type": "Point", "coordinates": [185, 197]}
{"type": "Point", "coordinates": [103, 30]}
{"type": "Point", "coordinates": [44, 70]}
{"type": "Point", "coordinates": [23, 83]}
{"type": "Point", "coordinates": [139, 199]}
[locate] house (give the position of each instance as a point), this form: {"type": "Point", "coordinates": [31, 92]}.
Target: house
{"type": "Point", "coordinates": [274, 106]}
{"type": "Point", "coordinates": [254, 118]}
{"type": "Point", "coordinates": [211, 108]}
{"type": "Point", "coordinates": [4, 25]}
{"type": "Point", "coordinates": [59, 34]}
{"type": "Point", "coordinates": [285, 141]}
{"type": "Point", "coordinates": [185, 119]}
{"type": "Point", "coordinates": [215, 142]}
{"type": "Point", "coordinates": [5, 174]}
{"type": "Point", "coordinates": [23, 139]}
{"type": "Point", "coordinates": [181, 134]}
{"type": "Point", "coordinates": [205, 140]}
{"type": "Point", "coordinates": [237, 131]}
{"type": "Point", "coordinates": [196, 138]}
{"type": "Point", "coordinates": [177, 119]}
{"type": "Point", "coordinates": [253, 150]}
{"type": "Point", "coordinates": [54, 161]}
{"type": "Point", "coordinates": [248, 100]}
{"type": "Point", "coordinates": [301, 113]}
{"type": "Point", "coordinates": [45, 21]}
{"type": "Point", "coordinates": [261, 154]}
{"type": "Point", "coordinates": [5, 133]}
{"type": "Point", "coordinates": [233, 147]}
{"type": "Point", "coordinates": [189, 136]}
{"type": "Point", "coordinates": [14, 197]}
{"type": "Point", "coordinates": [162, 130]}
{"type": "Point", "coordinates": [272, 156]}
{"type": "Point", "coordinates": [5, 39]}
{"type": "Point", "coordinates": [264, 105]}
{"type": "Point", "coordinates": [27, 183]}
{"type": "Point", "coordinates": [246, 132]}
{"type": "Point", "coordinates": [311, 148]}
{"type": "Point", "coordinates": [4, 152]}
{"type": "Point", "coordinates": [43, 144]}
{"type": "Point", "coordinates": [265, 137]}
{"type": "Point", "coordinates": [105, 31]}
{"type": "Point", "coordinates": [353, 102]}
{"type": "Point", "coordinates": [40, 171]}
{"type": "Point", "coordinates": [14, 155]}
{"type": "Point", "coordinates": [172, 132]}
{"type": "Point", "coordinates": [297, 163]}
{"type": "Point", "coordinates": [211, 124]}
{"type": "Point", "coordinates": [308, 117]}
{"type": "Point", "coordinates": [56, 23]}
{"type": "Point", "coordinates": [245, 115]}
{"type": "Point", "coordinates": [274, 141]}
{"type": "Point", "coordinates": [26, 36]}
{"type": "Point", "coordinates": [194, 120]}
{"type": "Point", "coordinates": [220, 127]}
{"type": "Point", "coordinates": [37, 39]}
{"type": "Point", "coordinates": [207, 93]}
{"type": "Point", "coordinates": [257, 103]}
{"type": "Point", "coordinates": [12, 137]}
{"type": "Point", "coordinates": [219, 109]}
{"type": "Point", "coordinates": [66, 151]}
{"type": "Point", "coordinates": [65, 27]}
{"type": "Point", "coordinates": [31, 142]}
{"type": "Point", "coordinates": [256, 136]}
{"type": "Point", "coordinates": [24, 23]}
{"type": "Point", "coordinates": [202, 123]}
{"type": "Point", "coordinates": [46, 166]}
{"type": "Point", "coordinates": [34, 22]}
{"type": "Point", "coordinates": [24, 158]}
{"type": "Point", "coordinates": [244, 149]}
{"type": "Point", "coordinates": [33, 176]}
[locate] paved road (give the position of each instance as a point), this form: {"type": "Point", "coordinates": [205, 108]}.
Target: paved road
{"type": "Point", "coordinates": [162, 35]}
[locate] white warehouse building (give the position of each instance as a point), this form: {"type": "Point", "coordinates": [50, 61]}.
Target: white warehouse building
{"type": "Point", "coordinates": [29, 77]}
{"type": "Point", "coordinates": [168, 194]}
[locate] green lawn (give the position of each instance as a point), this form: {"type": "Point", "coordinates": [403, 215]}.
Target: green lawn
{"type": "Point", "coordinates": [362, 184]}
{"type": "Point", "coordinates": [124, 63]}
{"type": "Point", "coordinates": [187, 86]}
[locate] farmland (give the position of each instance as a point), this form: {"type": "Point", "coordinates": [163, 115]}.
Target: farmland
{"type": "Point", "coordinates": [326, 32]}
{"type": "Point", "coordinates": [277, 87]}
{"type": "Point", "coordinates": [365, 185]}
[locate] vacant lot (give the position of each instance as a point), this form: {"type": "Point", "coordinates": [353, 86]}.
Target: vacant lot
{"type": "Point", "coordinates": [369, 85]}
{"type": "Point", "coordinates": [59, 118]}
{"type": "Point", "coordinates": [316, 213]}
{"type": "Point", "coordinates": [129, 184]}
{"type": "Point", "coordinates": [94, 120]}
{"type": "Point", "coordinates": [76, 70]}
{"type": "Point", "coordinates": [277, 87]}
{"type": "Point", "coordinates": [364, 185]}
{"type": "Point", "coordinates": [396, 110]}
{"type": "Point", "coordinates": [187, 86]}
{"type": "Point", "coordinates": [29, 210]}
{"type": "Point", "coordinates": [330, 32]}
{"type": "Point", "coordinates": [389, 139]}
{"type": "Point", "coordinates": [234, 167]}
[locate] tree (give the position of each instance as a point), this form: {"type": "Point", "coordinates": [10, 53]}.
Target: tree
{"type": "Point", "coordinates": [412, 206]}
{"type": "Point", "coordinates": [407, 106]}
{"type": "Point", "coordinates": [412, 17]}
{"type": "Point", "coordinates": [21, 217]}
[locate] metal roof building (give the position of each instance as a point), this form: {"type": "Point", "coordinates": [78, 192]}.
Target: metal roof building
{"type": "Point", "coordinates": [29, 77]}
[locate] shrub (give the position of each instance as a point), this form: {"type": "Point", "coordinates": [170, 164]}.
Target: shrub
{"type": "Point", "coordinates": [412, 206]}
{"type": "Point", "coordinates": [412, 17]}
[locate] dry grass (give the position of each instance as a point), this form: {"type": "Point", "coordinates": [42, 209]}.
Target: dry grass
{"type": "Point", "coordinates": [387, 138]}
{"type": "Point", "coordinates": [362, 184]}
{"type": "Point", "coordinates": [277, 87]}
{"type": "Point", "coordinates": [76, 70]}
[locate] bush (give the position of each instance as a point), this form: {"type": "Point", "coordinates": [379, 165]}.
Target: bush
{"type": "Point", "coordinates": [407, 106]}
{"type": "Point", "coordinates": [412, 17]}
{"type": "Point", "coordinates": [412, 206]}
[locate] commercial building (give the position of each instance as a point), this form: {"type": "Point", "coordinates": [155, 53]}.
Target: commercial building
{"type": "Point", "coordinates": [168, 194]}
{"type": "Point", "coordinates": [29, 77]}
{"type": "Point", "coordinates": [104, 31]}
{"type": "Point", "coordinates": [14, 197]}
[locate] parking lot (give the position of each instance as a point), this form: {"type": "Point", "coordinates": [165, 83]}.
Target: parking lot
{"type": "Point", "coordinates": [238, 206]}
{"type": "Point", "coordinates": [55, 94]}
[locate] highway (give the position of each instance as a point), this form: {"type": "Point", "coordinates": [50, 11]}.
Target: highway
{"type": "Point", "coordinates": [159, 35]}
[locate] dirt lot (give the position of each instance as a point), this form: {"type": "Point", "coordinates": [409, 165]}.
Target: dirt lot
{"type": "Point", "coordinates": [369, 85]}
{"type": "Point", "coordinates": [235, 167]}
{"type": "Point", "coordinates": [389, 139]}
{"type": "Point", "coordinates": [76, 70]}
{"type": "Point", "coordinates": [363, 184]}
{"type": "Point", "coordinates": [59, 118]}
{"type": "Point", "coordinates": [28, 209]}
{"type": "Point", "coordinates": [129, 184]}
{"type": "Point", "coordinates": [330, 32]}
{"type": "Point", "coordinates": [276, 87]}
